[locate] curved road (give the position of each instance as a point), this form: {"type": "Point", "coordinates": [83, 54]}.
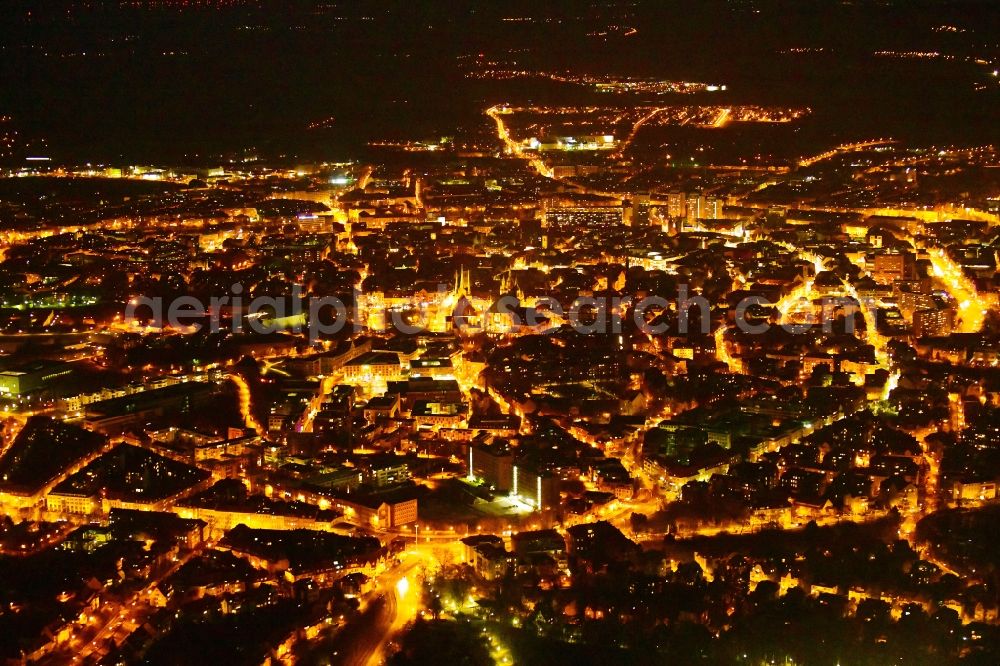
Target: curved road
{"type": "Point", "coordinates": [362, 640]}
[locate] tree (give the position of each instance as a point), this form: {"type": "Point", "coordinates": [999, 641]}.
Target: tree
{"type": "Point", "coordinates": [442, 642]}
{"type": "Point", "coordinates": [638, 522]}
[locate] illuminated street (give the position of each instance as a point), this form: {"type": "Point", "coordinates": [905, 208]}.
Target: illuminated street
{"type": "Point", "coordinates": [472, 333]}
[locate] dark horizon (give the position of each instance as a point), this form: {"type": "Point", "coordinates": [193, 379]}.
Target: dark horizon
{"type": "Point", "coordinates": [169, 81]}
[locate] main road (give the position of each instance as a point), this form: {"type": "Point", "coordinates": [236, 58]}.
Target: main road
{"type": "Point", "coordinates": [362, 641]}
{"type": "Point", "coordinates": [513, 147]}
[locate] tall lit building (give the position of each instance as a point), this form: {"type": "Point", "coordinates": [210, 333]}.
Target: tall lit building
{"type": "Point", "coordinates": [676, 204]}
{"type": "Point", "coordinates": [537, 488]}
{"type": "Point", "coordinates": [934, 321]}
{"type": "Point", "coordinates": [699, 206]}
{"type": "Point", "coordinates": [888, 267]}
{"type": "Point", "coordinates": [638, 210]}
{"type": "Point", "coordinates": [585, 216]}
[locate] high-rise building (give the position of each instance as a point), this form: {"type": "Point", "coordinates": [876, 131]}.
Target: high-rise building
{"type": "Point", "coordinates": [714, 207]}
{"type": "Point", "coordinates": [888, 267]}
{"type": "Point", "coordinates": [700, 206]}
{"type": "Point", "coordinates": [585, 216]}
{"type": "Point", "coordinates": [494, 463]}
{"type": "Point", "coordinates": [676, 204]}
{"type": "Point", "coordinates": [639, 210]}
{"type": "Point", "coordinates": [537, 488]}
{"type": "Point", "coordinates": [692, 206]}
{"type": "Point", "coordinates": [934, 322]}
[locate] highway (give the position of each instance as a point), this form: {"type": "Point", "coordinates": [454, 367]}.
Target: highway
{"type": "Point", "coordinates": [845, 148]}
{"type": "Point", "coordinates": [365, 177]}
{"type": "Point", "coordinates": [722, 119]}
{"type": "Point", "coordinates": [513, 147]}
{"type": "Point", "coordinates": [635, 130]}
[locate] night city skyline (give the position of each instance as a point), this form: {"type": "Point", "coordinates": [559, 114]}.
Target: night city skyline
{"type": "Point", "coordinates": [492, 333]}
